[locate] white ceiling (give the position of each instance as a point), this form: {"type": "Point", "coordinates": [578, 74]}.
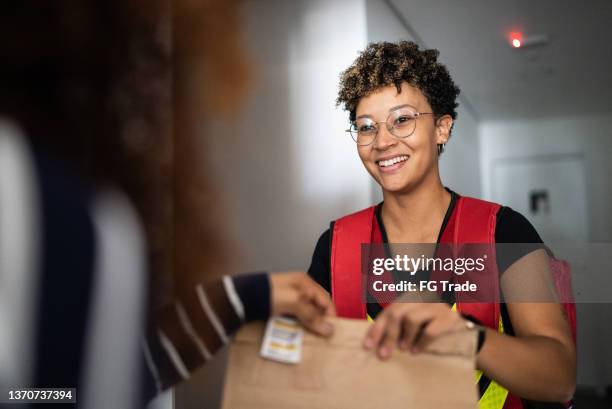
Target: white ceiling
{"type": "Point", "coordinates": [570, 76]}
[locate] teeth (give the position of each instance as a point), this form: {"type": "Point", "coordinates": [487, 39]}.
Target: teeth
{"type": "Point", "coordinates": [392, 161]}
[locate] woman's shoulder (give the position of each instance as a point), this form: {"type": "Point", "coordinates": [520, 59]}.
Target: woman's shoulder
{"type": "Point", "coordinates": [514, 227]}
{"type": "Point", "coordinates": [511, 226]}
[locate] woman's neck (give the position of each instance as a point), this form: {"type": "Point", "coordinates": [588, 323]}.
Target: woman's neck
{"type": "Point", "coordinates": [415, 216]}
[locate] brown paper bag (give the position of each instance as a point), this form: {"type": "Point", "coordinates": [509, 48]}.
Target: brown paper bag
{"type": "Point", "coordinates": [339, 373]}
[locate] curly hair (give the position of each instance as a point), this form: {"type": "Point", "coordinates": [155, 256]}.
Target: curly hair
{"type": "Point", "coordinates": [109, 88]}
{"type": "Point", "coordinates": [385, 63]}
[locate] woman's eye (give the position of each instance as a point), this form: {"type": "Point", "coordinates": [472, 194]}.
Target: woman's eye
{"type": "Point", "coordinates": [403, 120]}
{"type": "Point", "coordinates": [366, 128]}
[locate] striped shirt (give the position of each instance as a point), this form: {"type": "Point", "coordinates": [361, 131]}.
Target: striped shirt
{"type": "Point", "coordinates": [183, 336]}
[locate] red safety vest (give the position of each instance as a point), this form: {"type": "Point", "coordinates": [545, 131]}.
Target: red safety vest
{"type": "Point", "coordinates": [472, 221]}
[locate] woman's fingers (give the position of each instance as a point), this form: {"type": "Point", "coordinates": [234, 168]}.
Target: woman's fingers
{"type": "Point", "coordinates": [297, 294]}
{"type": "Point", "coordinates": [411, 326]}
{"type": "Point", "coordinates": [442, 324]}
{"type": "Point", "coordinates": [375, 333]}
{"type": "Point", "coordinates": [392, 334]}
{"type": "Point", "coordinates": [319, 296]}
{"type": "Point", "coordinates": [384, 334]}
{"type": "Point", "coordinates": [312, 318]}
{"type": "Point", "coordinates": [414, 324]}
{"type": "Point", "coordinates": [438, 326]}
{"type": "Point", "coordinates": [407, 332]}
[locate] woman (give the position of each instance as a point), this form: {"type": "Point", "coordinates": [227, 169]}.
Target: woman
{"type": "Point", "coordinates": [401, 103]}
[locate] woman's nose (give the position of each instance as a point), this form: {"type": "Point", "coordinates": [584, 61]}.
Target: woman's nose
{"type": "Point", "coordinates": [384, 139]}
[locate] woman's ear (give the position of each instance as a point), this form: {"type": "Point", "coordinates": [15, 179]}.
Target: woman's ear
{"type": "Point", "coordinates": [443, 128]}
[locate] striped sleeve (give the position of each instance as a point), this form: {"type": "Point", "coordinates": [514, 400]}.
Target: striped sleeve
{"type": "Point", "coordinates": [185, 335]}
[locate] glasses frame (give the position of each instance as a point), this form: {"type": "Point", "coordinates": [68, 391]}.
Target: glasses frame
{"type": "Point", "coordinates": [417, 115]}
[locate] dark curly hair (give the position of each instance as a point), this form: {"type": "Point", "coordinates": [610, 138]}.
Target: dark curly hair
{"type": "Point", "coordinates": [385, 63]}
{"type": "Point", "coordinates": [113, 89]}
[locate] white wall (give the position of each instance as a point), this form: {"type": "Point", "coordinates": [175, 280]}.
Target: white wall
{"type": "Point", "coordinates": [285, 168]}
{"type": "Point", "coordinates": [383, 24]}
{"type": "Point", "coordinates": [459, 165]}
{"type": "Point", "coordinates": [591, 139]}
{"type": "Point", "coordinates": [288, 167]}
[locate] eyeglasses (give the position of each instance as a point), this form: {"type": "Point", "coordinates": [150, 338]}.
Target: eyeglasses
{"type": "Point", "coordinates": [401, 123]}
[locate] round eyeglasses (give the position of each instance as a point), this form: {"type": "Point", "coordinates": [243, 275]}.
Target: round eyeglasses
{"type": "Point", "coordinates": [401, 123]}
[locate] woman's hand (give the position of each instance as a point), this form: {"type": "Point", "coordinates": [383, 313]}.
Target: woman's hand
{"type": "Point", "coordinates": [411, 326]}
{"type": "Point", "coordinates": [297, 294]}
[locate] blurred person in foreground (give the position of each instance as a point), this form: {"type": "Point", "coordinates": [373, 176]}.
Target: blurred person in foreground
{"type": "Point", "coordinates": [108, 217]}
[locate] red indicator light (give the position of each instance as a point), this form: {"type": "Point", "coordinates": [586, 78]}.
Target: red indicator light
{"type": "Point", "coordinates": [516, 39]}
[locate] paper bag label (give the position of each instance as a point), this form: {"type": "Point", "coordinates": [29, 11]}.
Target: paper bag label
{"type": "Point", "coordinates": [282, 340]}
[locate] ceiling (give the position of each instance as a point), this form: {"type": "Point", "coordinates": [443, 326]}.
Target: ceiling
{"type": "Point", "coordinates": [570, 76]}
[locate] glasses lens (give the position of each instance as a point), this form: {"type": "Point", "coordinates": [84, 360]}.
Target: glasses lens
{"type": "Point", "coordinates": [353, 131]}
{"type": "Point", "coordinates": [364, 131]}
{"type": "Point", "coordinates": [402, 122]}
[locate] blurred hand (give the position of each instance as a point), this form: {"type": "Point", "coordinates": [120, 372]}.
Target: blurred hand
{"type": "Point", "coordinates": [298, 295]}
{"type": "Point", "coordinates": [411, 326]}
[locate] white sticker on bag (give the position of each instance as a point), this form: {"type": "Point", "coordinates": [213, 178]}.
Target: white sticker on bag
{"type": "Point", "coordinates": [282, 340]}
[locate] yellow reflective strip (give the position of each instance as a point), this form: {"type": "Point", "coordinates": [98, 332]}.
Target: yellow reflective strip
{"type": "Point", "coordinates": [454, 307]}
{"type": "Point", "coordinates": [478, 375]}
{"type": "Point", "coordinates": [494, 397]}
{"type": "Point", "coordinates": [369, 318]}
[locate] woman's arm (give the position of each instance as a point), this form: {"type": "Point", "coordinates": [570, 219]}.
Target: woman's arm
{"type": "Point", "coordinates": [540, 361]}
{"type": "Point", "coordinates": [188, 333]}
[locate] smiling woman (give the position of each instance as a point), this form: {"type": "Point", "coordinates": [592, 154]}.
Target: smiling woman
{"type": "Point", "coordinates": [402, 105]}
{"type": "Point", "coordinates": [409, 133]}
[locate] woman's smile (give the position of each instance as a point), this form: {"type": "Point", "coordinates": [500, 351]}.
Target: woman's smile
{"type": "Point", "coordinates": [390, 164]}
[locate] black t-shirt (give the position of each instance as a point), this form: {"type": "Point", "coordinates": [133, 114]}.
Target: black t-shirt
{"type": "Point", "coordinates": [511, 227]}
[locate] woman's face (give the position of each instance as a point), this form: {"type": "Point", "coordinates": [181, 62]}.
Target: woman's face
{"type": "Point", "coordinates": [398, 165]}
